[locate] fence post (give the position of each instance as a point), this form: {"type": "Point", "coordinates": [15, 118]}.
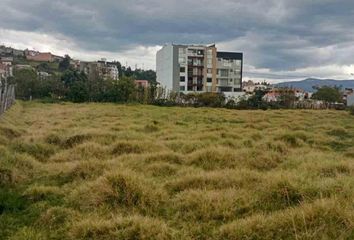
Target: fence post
{"type": "Point", "coordinates": [7, 97]}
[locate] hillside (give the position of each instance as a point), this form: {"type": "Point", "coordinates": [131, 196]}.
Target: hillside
{"type": "Point", "coordinates": [107, 171]}
{"type": "Point", "coordinates": [308, 84]}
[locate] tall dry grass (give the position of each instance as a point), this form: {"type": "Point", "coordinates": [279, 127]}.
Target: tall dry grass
{"type": "Point", "coordinates": [105, 171]}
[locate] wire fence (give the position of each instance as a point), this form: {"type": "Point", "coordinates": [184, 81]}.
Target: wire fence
{"type": "Point", "coordinates": [7, 97]}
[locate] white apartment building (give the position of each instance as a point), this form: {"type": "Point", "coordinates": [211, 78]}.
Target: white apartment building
{"type": "Point", "coordinates": [199, 68]}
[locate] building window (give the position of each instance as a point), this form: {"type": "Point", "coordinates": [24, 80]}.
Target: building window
{"type": "Point", "coordinates": [190, 88]}
{"type": "Point", "coordinates": [223, 72]}
{"type": "Point", "coordinates": [182, 79]}
{"type": "Point", "coordinates": [210, 70]}
{"type": "Point", "coordinates": [182, 69]}
{"type": "Point", "coordinates": [182, 60]}
{"type": "Point", "coordinates": [209, 80]}
{"type": "Point", "coordinates": [182, 88]}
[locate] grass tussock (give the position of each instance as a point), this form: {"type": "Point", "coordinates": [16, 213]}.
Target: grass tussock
{"type": "Point", "coordinates": [211, 205]}
{"type": "Point", "coordinates": [214, 158]}
{"type": "Point", "coordinates": [40, 151]}
{"type": "Point", "coordinates": [120, 189]}
{"type": "Point", "coordinates": [127, 147]}
{"type": "Point", "coordinates": [107, 171]}
{"type": "Point", "coordinates": [9, 133]}
{"type": "Point", "coordinates": [131, 228]}
{"type": "Point", "coordinates": [324, 219]}
{"type": "Point", "coordinates": [214, 180]}
{"type": "Point", "coordinates": [41, 193]}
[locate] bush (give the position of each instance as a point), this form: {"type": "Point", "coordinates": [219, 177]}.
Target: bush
{"type": "Point", "coordinates": [210, 100]}
{"type": "Point", "coordinates": [351, 110]}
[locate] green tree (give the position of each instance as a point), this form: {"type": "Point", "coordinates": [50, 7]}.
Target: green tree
{"type": "Point", "coordinates": [27, 83]}
{"type": "Point", "coordinates": [76, 86]}
{"type": "Point", "coordinates": [44, 67]}
{"type": "Point", "coordinates": [287, 98]}
{"type": "Point", "coordinates": [126, 88]}
{"type": "Point", "coordinates": [65, 63]}
{"type": "Point", "coordinates": [328, 94]}
{"type": "Point", "coordinates": [256, 101]}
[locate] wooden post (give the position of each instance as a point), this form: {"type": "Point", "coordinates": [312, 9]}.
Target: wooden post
{"type": "Point", "coordinates": [7, 96]}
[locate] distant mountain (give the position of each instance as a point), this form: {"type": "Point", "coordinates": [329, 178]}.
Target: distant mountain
{"type": "Point", "coordinates": [309, 83]}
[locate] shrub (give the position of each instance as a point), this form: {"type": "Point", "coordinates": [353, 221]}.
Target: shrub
{"type": "Point", "coordinates": [210, 100]}
{"type": "Point", "coordinates": [351, 110]}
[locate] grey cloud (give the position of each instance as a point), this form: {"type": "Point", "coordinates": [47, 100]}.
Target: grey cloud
{"type": "Point", "coordinates": [274, 34]}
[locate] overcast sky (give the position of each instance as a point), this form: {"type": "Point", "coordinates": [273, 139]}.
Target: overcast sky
{"type": "Point", "coordinates": [280, 39]}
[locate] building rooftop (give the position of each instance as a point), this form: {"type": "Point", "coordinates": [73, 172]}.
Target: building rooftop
{"type": "Point", "coordinates": [230, 55]}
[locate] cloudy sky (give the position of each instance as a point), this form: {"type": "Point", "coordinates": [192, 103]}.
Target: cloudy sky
{"type": "Point", "coordinates": [281, 39]}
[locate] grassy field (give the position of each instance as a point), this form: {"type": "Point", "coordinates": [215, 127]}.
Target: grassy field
{"type": "Point", "coordinates": [104, 171]}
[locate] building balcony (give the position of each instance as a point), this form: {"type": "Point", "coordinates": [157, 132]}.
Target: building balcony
{"type": "Point", "coordinates": [194, 65]}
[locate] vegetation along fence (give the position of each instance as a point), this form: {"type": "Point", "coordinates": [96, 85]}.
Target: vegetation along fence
{"type": "Point", "coordinates": [7, 97]}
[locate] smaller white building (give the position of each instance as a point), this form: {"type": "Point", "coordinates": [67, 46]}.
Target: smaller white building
{"type": "Point", "coordinates": [350, 100]}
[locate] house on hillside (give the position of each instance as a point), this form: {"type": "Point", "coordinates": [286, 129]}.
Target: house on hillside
{"type": "Point", "coordinates": [142, 83]}
{"type": "Point", "coordinates": [40, 57]}
{"type": "Point", "coordinates": [7, 60]}
{"type": "Point", "coordinates": [250, 87]}
{"type": "Point", "coordinates": [18, 53]}
{"type": "Point", "coordinates": [5, 71]}
{"type": "Point", "coordinates": [274, 94]}
{"type": "Point", "coordinates": [102, 69]}
{"type": "Point", "coordinates": [108, 70]}
{"type": "Point", "coordinates": [43, 75]}
{"type": "Point", "coordinates": [5, 51]}
{"type": "Point", "coordinates": [23, 66]}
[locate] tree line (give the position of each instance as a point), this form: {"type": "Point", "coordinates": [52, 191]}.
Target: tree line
{"type": "Point", "coordinates": [66, 83]}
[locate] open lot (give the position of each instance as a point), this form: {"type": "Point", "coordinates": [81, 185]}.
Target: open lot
{"type": "Point", "coordinates": [105, 171]}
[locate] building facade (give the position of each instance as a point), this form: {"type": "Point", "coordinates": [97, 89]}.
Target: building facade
{"type": "Point", "coordinates": [142, 83]}
{"type": "Point", "coordinates": [350, 100]}
{"type": "Point", "coordinates": [103, 69]}
{"type": "Point", "coordinates": [199, 68]}
{"type": "Point", "coordinates": [38, 56]}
